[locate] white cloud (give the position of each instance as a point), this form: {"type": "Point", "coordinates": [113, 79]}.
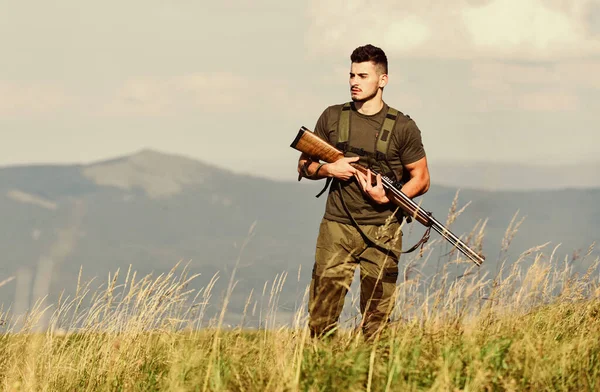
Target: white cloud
{"type": "Point", "coordinates": [27, 98]}
{"type": "Point", "coordinates": [513, 73]}
{"type": "Point", "coordinates": [209, 92]}
{"type": "Point", "coordinates": [140, 96]}
{"type": "Point", "coordinates": [583, 75]}
{"type": "Point", "coordinates": [509, 29]}
{"type": "Point", "coordinates": [548, 101]}
{"type": "Point", "coordinates": [501, 77]}
{"type": "Point", "coordinates": [406, 34]}
{"type": "Point", "coordinates": [148, 96]}
{"type": "Point", "coordinates": [525, 29]}
{"type": "Point", "coordinates": [548, 87]}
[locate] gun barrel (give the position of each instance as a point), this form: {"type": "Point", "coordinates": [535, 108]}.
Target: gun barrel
{"type": "Point", "coordinates": [458, 244]}
{"type": "Point", "coordinates": [423, 215]}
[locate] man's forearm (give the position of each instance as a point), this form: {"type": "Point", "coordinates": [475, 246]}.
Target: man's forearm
{"type": "Point", "coordinates": [415, 187]}
{"type": "Point", "coordinates": [313, 170]}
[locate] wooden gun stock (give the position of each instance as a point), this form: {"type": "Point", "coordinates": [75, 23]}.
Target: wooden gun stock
{"type": "Point", "coordinates": [312, 145]}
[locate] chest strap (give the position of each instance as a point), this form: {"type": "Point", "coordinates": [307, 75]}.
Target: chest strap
{"type": "Point", "coordinates": [383, 136]}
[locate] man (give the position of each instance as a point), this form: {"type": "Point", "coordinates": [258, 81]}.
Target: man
{"type": "Point", "coordinates": [361, 225]}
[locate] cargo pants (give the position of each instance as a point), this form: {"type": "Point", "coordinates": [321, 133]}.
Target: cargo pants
{"type": "Point", "coordinates": [340, 249]}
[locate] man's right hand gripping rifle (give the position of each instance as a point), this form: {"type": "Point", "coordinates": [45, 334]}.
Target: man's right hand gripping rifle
{"type": "Point", "coordinates": [340, 169]}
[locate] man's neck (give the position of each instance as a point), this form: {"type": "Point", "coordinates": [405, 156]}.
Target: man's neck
{"type": "Point", "coordinates": [370, 107]}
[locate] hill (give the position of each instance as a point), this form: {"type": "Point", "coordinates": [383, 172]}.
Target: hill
{"type": "Point", "coordinates": [151, 210]}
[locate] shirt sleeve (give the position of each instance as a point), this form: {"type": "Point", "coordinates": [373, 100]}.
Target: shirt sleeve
{"type": "Point", "coordinates": [321, 128]}
{"type": "Point", "coordinates": [412, 145]}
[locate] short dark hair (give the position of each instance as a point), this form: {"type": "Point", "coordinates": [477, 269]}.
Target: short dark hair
{"type": "Point", "coordinates": [370, 53]}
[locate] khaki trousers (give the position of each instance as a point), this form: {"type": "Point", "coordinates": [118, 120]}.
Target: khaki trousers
{"type": "Point", "coordinates": [340, 249]}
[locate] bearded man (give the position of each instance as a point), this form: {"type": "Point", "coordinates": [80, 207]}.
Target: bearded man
{"type": "Point", "coordinates": [361, 225]}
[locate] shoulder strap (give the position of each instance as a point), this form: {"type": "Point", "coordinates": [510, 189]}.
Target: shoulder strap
{"type": "Point", "coordinates": [383, 139]}
{"type": "Point", "coordinates": [344, 124]}
{"type": "Point", "coordinates": [343, 137]}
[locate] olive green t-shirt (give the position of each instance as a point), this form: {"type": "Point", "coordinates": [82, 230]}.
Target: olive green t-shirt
{"type": "Point", "coordinates": [405, 147]}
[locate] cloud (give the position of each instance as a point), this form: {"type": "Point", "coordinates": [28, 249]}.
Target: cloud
{"type": "Point", "coordinates": [547, 87]}
{"type": "Point", "coordinates": [507, 29]}
{"type": "Point", "coordinates": [548, 101]}
{"type": "Point", "coordinates": [209, 92]}
{"type": "Point", "coordinates": [593, 18]}
{"type": "Point", "coordinates": [31, 98]}
{"type": "Point", "coordinates": [407, 34]}
{"type": "Point", "coordinates": [583, 75]}
{"type": "Point", "coordinates": [166, 96]}
{"type": "Point", "coordinates": [140, 96]}
{"type": "Point", "coordinates": [523, 28]}
{"type": "Point", "coordinates": [568, 75]}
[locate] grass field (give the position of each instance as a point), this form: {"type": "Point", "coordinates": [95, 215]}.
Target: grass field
{"type": "Point", "coordinates": [527, 328]}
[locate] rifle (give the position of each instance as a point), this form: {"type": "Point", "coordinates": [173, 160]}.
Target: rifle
{"type": "Point", "coordinates": [312, 145]}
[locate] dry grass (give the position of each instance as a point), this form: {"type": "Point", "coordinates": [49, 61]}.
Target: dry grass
{"type": "Point", "coordinates": [526, 328]}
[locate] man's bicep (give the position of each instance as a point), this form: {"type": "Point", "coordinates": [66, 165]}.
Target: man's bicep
{"type": "Point", "coordinates": [417, 168]}
{"type": "Point", "coordinates": [418, 182]}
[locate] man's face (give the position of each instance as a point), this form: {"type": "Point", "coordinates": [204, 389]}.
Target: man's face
{"type": "Point", "coordinates": [365, 80]}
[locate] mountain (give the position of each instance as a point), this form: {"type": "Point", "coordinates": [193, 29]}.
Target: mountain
{"type": "Point", "coordinates": [151, 210]}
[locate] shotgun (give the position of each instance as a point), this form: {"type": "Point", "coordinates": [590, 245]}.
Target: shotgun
{"type": "Point", "coordinates": [312, 145]}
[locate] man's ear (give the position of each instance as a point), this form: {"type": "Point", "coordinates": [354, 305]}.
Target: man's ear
{"type": "Point", "coordinates": [383, 80]}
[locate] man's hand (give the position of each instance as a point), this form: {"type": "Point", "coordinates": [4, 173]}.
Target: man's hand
{"type": "Point", "coordinates": [377, 192]}
{"type": "Point", "coordinates": [341, 168]}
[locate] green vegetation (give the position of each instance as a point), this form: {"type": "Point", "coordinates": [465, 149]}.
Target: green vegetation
{"type": "Point", "coordinates": [556, 347]}
{"type": "Point", "coordinates": [535, 325]}
{"type": "Point", "coordinates": [537, 329]}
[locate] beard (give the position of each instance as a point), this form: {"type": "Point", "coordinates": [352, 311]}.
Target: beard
{"type": "Point", "coordinates": [364, 99]}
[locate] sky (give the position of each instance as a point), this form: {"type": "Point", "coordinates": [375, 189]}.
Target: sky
{"type": "Point", "coordinates": [230, 83]}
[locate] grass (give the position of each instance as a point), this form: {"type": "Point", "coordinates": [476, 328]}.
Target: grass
{"type": "Point", "coordinates": [532, 326]}
{"type": "Point", "coordinates": [555, 347]}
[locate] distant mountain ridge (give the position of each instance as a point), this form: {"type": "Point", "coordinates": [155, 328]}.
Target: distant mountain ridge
{"type": "Point", "coordinates": [152, 210]}
{"type": "Point", "coordinates": [160, 175]}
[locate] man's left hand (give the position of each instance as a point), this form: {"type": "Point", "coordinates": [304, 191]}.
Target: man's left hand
{"type": "Point", "coordinates": [375, 192]}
